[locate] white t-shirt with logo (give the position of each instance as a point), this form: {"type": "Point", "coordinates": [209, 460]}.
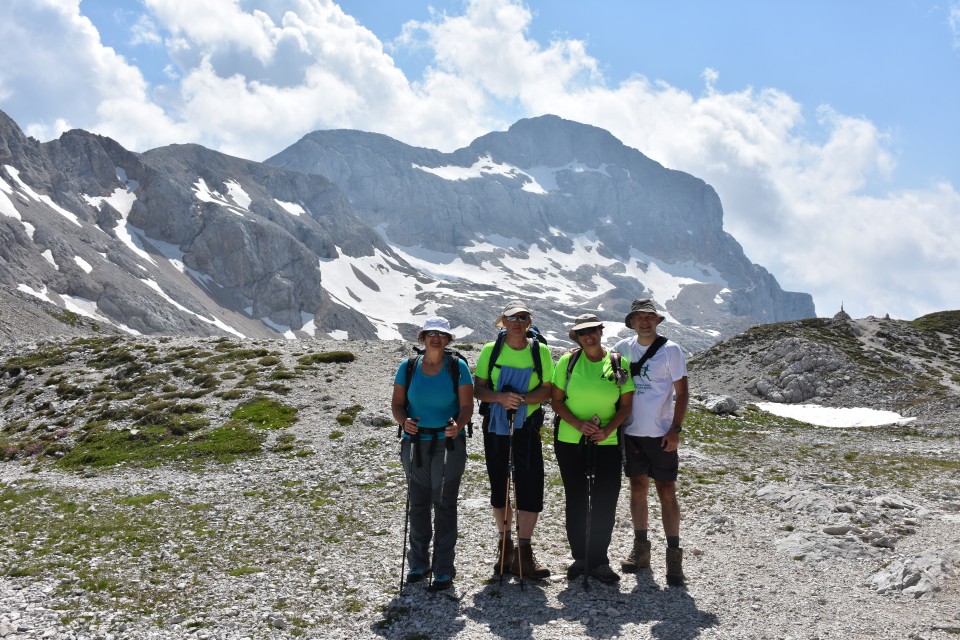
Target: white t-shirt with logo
{"type": "Point", "coordinates": [652, 412]}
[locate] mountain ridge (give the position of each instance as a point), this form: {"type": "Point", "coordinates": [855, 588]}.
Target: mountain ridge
{"type": "Point", "coordinates": [185, 240]}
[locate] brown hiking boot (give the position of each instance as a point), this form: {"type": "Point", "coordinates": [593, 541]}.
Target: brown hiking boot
{"type": "Point", "coordinates": [639, 557]}
{"type": "Point", "coordinates": [524, 559]}
{"type": "Point", "coordinates": [675, 577]}
{"type": "Point", "coordinates": [507, 554]}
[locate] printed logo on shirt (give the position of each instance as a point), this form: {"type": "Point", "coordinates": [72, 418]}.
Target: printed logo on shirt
{"type": "Point", "coordinates": [645, 371]}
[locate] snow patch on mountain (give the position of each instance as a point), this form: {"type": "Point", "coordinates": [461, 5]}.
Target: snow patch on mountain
{"type": "Point", "coordinates": [485, 166]}
{"type": "Point", "coordinates": [292, 208]}
{"type": "Point", "coordinates": [122, 200]}
{"type": "Point", "coordinates": [348, 282]}
{"type": "Point", "coordinates": [42, 293]}
{"type": "Point", "coordinates": [514, 270]}
{"type": "Point", "coordinates": [89, 309]}
{"type": "Point", "coordinates": [214, 321]}
{"type": "Point", "coordinates": [206, 194]}
{"type": "Point", "coordinates": [546, 177]}
{"type": "Point", "coordinates": [83, 264]}
{"type": "Point", "coordinates": [8, 209]}
{"type": "Point", "coordinates": [45, 199]}
{"type": "Point", "coordinates": [48, 256]}
{"type": "Point", "coordinates": [238, 195]}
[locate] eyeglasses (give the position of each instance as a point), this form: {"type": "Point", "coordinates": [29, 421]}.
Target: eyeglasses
{"type": "Point", "coordinates": [435, 334]}
{"type": "Point", "coordinates": [517, 318]}
{"type": "Point", "coordinates": [587, 331]}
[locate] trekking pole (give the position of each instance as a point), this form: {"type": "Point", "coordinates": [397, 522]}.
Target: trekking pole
{"type": "Point", "coordinates": [448, 446]}
{"type": "Point", "coordinates": [506, 507]}
{"type": "Point", "coordinates": [591, 469]}
{"type": "Point", "coordinates": [512, 471]}
{"type": "Point", "coordinates": [406, 517]}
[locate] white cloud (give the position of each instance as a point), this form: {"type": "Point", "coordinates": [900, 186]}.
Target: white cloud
{"type": "Point", "coordinates": [953, 21]}
{"type": "Point", "coordinates": [144, 31]}
{"type": "Point", "coordinates": [798, 182]}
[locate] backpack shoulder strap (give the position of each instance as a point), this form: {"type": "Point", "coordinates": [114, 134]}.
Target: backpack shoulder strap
{"type": "Point", "coordinates": [411, 369]}
{"type": "Point", "coordinates": [637, 367]}
{"type": "Point", "coordinates": [497, 348]}
{"type": "Point", "coordinates": [537, 362]}
{"type": "Point", "coordinates": [571, 363]}
{"type": "Point", "coordinates": [453, 366]}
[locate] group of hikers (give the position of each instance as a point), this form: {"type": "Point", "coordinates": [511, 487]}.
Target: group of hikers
{"type": "Point", "coordinates": [617, 411]}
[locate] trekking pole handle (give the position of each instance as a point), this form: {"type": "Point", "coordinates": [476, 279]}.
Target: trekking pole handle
{"type": "Point", "coordinates": [414, 421]}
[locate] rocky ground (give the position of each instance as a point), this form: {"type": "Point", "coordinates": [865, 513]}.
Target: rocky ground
{"type": "Point", "coordinates": [789, 530]}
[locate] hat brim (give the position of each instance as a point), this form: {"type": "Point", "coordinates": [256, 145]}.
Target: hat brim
{"type": "Point", "coordinates": [512, 311]}
{"type": "Point", "coordinates": [586, 325]}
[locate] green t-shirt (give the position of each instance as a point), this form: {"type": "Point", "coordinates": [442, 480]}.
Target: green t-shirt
{"type": "Point", "coordinates": [522, 359]}
{"type": "Point", "coordinates": [590, 390]}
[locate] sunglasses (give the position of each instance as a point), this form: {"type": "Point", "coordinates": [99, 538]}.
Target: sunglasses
{"type": "Point", "coordinates": [435, 334]}
{"type": "Point", "coordinates": [517, 318]}
{"type": "Point", "coordinates": [587, 331]}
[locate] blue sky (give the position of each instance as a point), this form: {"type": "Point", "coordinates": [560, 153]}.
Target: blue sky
{"type": "Point", "coordinates": [829, 129]}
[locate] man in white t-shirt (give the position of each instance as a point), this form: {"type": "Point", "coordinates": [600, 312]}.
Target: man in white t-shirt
{"type": "Point", "coordinates": [652, 434]}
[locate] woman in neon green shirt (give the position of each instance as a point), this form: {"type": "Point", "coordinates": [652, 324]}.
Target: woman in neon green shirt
{"type": "Point", "coordinates": [591, 406]}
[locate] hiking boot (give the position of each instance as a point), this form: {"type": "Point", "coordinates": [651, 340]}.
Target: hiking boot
{"type": "Point", "coordinates": [440, 583]}
{"type": "Point", "coordinates": [576, 569]}
{"type": "Point", "coordinates": [524, 559]}
{"type": "Point", "coordinates": [417, 574]}
{"type": "Point", "coordinates": [508, 553]}
{"type": "Point", "coordinates": [675, 577]}
{"type": "Point", "coordinates": [639, 557]}
{"type": "Point", "coordinates": [604, 573]}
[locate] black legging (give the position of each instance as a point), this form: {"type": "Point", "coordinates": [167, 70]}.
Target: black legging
{"type": "Point", "coordinates": [572, 459]}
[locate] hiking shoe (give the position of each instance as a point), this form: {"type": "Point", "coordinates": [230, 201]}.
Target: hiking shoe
{"type": "Point", "coordinates": [416, 575]}
{"type": "Point", "coordinates": [639, 557]}
{"type": "Point", "coordinates": [675, 577]}
{"type": "Point", "coordinates": [525, 560]}
{"type": "Point", "coordinates": [576, 569]}
{"type": "Point", "coordinates": [604, 573]}
{"type": "Point", "coordinates": [507, 552]}
{"type": "Point", "coordinates": [440, 583]}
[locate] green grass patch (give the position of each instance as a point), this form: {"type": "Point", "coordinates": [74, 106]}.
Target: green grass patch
{"type": "Point", "coordinates": [327, 357]}
{"type": "Point", "coordinates": [348, 415]}
{"type": "Point", "coordinates": [265, 413]}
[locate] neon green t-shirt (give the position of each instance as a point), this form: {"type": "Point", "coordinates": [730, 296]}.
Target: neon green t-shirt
{"type": "Point", "coordinates": [590, 390]}
{"type": "Point", "coordinates": [522, 359]}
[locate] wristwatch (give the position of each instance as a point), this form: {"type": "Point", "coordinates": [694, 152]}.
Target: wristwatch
{"type": "Point", "coordinates": [677, 428]}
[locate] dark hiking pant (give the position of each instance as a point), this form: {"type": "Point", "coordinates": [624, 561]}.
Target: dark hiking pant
{"type": "Point", "coordinates": [433, 496]}
{"type": "Point", "coordinates": [572, 459]}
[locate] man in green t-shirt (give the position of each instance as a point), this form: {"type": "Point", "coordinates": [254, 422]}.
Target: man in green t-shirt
{"type": "Point", "coordinates": [511, 389]}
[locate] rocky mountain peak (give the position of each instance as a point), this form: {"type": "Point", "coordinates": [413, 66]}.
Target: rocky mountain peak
{"type": "Point", "coordinates": [354, 234]}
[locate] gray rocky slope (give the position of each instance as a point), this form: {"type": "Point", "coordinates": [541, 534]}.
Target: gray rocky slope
{"type": "Point", "coordinates": [160, 488]}
{"type": "Point", "coordinates": [353, 235]}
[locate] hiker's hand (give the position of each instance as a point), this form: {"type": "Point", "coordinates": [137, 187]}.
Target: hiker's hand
{"type": "Point", "coordinates": [589, 428]}
{"type": "Point", "coordinates": [410, 425]}
{"type": "Point", "coordinates": [599, 436]}
{"type": "Point", "coordinates": [670, 441]}
{"type": "Point", "coordinates": [452, 429]}
{"type": "Point", "coordinates": [511, 401]}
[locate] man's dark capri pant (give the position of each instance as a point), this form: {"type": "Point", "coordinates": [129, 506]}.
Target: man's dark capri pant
{"type": "Point", "coordinates": [527, 462]}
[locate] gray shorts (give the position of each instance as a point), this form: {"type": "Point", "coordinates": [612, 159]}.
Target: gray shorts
{"type": "Point", "coordinates": [646, 457]}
